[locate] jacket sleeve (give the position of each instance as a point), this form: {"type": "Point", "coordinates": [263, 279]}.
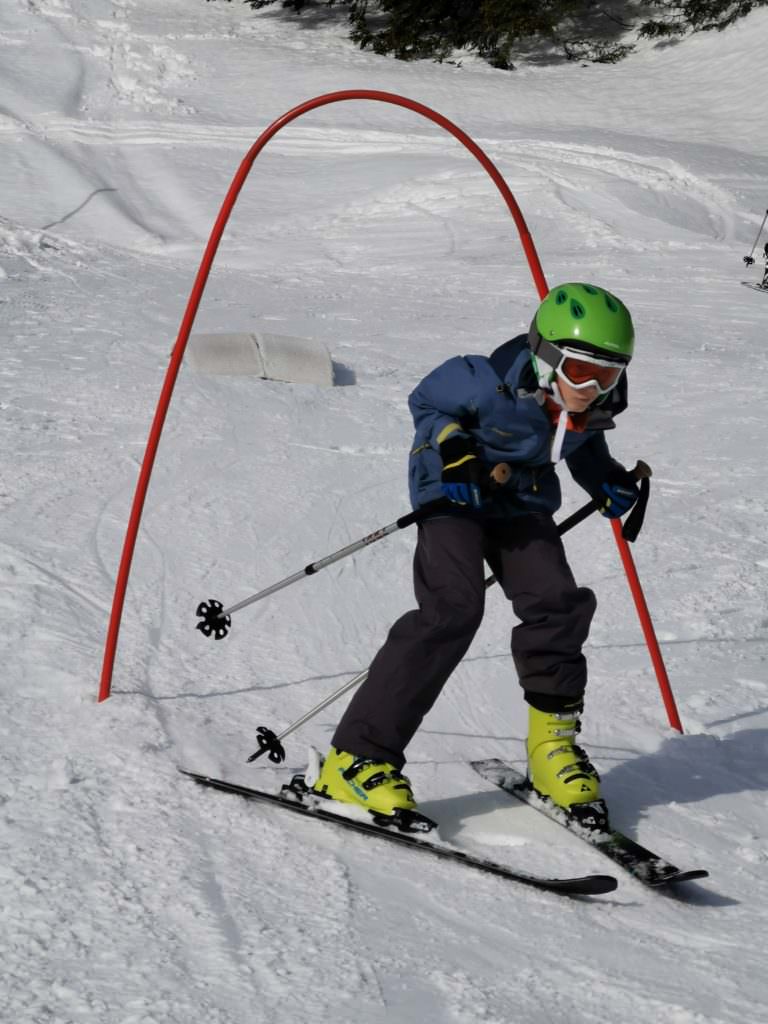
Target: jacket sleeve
{"type": "Point", "coordinates": [591, 463]}
{"type": "Point", "coordinates": [443, 400]}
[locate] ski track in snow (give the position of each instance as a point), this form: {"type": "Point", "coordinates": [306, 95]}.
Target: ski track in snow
{"type": "Point", "coordinates": [130, 896]}
{"type": "Point", "coordinates": [647, 188]}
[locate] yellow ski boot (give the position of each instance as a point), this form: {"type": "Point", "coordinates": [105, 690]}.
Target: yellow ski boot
{"type": "Point", "coordinates": [377, 786]}
{"type": "Point", "coordinates": [559, 769]}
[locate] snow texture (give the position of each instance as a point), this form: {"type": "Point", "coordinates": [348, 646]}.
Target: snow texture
{"type": "Point", "coordinates": [129, 896]}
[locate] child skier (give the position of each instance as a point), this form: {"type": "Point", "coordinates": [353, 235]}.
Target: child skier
{"type": "Point", "coordinates": [539, 398]}
{"type": "Point", "coordinates": [749, 260]}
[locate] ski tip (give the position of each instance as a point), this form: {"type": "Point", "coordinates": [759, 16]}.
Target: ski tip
{"type": "Point", "coordinates": [603, 884]}
{"type": "Point", "coordinates": [589, 885]}
{"type": "Point", "coordinates": [201, 777]}
{"type": "Point", "coordinates": [678, 876]}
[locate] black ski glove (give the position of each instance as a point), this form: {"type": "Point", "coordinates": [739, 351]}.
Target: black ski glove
{"type": "Point", "coordinates": [462, 471]}
{"type": "Point", "coordinates": [618, 493]}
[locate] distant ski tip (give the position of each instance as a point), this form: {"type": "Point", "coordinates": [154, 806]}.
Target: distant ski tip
{"type": "Point", "coordinates": [678, 876]}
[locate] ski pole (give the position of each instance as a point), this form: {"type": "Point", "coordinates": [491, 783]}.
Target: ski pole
{"type": "Point", "coordinates": [216, 619]}
{"type": "Point", "coordinates": [749, 260]}
{"type": "Point", "coordinates": [270, 743]}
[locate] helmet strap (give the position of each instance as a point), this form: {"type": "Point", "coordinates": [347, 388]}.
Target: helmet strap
{"type": "Point", "coordinates": [553, 387]}
{"type": "Point", "coordinates": [559, 438]}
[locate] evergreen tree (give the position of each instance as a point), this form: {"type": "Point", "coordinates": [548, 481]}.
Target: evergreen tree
{"type": "Point", "coordinates": [435, 28]}
{"type": "Point", "coordinates": [583, 29]}
{"type": "Point", "coordinates": [696, 15]}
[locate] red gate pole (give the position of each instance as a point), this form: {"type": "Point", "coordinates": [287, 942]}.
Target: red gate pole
{"type": "Point", "coordinates": [647, 625]}
{"type": "Point", "coordinates": [196, 295]}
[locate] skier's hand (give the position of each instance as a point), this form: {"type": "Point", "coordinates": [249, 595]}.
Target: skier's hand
{"type": "Point", "coordinates": [748, 260]}
{"type": "Point", "coordinates": [617, 494]}
{"type": "Point", "coordinates": [462, 471]}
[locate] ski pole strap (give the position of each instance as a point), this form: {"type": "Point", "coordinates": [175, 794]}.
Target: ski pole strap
{"type": "Point", "coordinates": [634, 521]}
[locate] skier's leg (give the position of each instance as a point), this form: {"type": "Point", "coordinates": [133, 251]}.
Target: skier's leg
{"type": "Point", "coordinates": [555, 617]}
{"type": "Point", "coordinates": [424, 646]}
{"type": "Point", "coordinates": [555, 614]}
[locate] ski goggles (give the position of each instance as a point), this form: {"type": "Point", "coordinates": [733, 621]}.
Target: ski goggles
{"type": "Point", "coordinates": [583, 370]}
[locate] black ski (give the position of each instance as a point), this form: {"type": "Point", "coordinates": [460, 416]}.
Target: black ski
{"type": "Point", "coordinates": [647, 867]}
{"type": "Point", "coordinates": [291, 798]}
{"type": "Point", "coordinates": [755, 287]}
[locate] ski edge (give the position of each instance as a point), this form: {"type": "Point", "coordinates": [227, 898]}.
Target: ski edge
{"type": "Point", "coordinates": [587, 885]}
{"type": "Point", "coordinates": [619, 848]}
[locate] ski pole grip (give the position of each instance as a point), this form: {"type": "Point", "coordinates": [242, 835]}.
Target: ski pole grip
{"type": "Point", "coordinates": [642, 470]}
{"type": "Point", "coordinates": [500, 474]}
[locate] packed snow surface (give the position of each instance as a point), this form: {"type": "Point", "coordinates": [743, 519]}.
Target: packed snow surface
{"type": "Point", "coordinates": [129, 895]}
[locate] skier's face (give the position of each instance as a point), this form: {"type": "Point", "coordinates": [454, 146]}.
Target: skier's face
{"type": "Point", "coordinates": [576, 399]}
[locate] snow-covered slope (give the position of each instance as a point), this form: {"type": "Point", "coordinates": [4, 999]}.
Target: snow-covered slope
{"type": "Point", "coordinates": [128, 895]}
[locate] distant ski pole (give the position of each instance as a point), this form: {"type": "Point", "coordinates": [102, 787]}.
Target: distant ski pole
{"type": "Point", "coordinates": [216, 619]}
{"type": "Point", "coordinates": [749, 260]}
{"type": "Point", "coordinates": [271, 744]}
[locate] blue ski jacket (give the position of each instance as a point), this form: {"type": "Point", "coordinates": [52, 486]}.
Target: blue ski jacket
{"type": "Point", "coordinates": [496, 400]}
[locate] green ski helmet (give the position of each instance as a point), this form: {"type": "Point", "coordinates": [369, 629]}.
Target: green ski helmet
{"type": "Point", "coordinates": [585, 317]}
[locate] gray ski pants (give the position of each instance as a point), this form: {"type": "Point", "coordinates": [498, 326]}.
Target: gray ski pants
{"type": "Point", "coordinates": [424, 646]}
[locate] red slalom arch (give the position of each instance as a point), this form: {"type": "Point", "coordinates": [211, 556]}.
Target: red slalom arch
{"type": "Point", "coordinates": [196, 295]}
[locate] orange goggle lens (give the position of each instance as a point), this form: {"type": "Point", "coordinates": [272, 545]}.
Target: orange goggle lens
{"type": "Point", "coordinates": [580, 372]}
